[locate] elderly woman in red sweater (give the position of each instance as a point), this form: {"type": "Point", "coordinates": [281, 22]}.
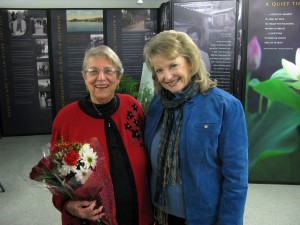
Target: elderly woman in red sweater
{"type": "Point", "coordinates": [117, 120]}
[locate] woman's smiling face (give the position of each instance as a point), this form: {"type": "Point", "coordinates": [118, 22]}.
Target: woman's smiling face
{"type": "Point", "coordinates": [103, 83]}
{"type": "Point", "coordinates": [173, 75]}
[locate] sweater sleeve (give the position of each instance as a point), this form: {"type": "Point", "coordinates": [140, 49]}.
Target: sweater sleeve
{"type": "Point", "coordinates": [59, 202]}
{"type": "Point", "coordinates": [234, 155]}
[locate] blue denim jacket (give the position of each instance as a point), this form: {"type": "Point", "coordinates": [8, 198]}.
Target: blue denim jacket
{"type": "Point", "coordinates": [213, 156]}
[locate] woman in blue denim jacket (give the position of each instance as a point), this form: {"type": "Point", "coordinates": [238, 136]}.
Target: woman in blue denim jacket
{"type": "Point", "coordinates": [196, 137]}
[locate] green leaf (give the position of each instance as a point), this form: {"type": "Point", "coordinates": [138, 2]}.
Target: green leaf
{"type": "Point", "coordinates": [277, 168]}
{"type": "Point", "coordinates": [254, 82]}
{"type": "Point", "coordinates": [296, 85]}
{"type": "Point", "coordinates": [277, 90]}
{"type": "Point", "coordinates": [272, 132]}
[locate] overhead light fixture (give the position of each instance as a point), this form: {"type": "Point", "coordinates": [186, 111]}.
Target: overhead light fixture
{"type": "Point", "coordinates": [139, 2]}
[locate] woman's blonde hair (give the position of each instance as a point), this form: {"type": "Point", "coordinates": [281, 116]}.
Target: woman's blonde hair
{"type": "Point", "coordinates": [170, 44]}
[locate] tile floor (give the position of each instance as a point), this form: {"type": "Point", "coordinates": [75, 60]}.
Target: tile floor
{"type": "Point", "coordinates": [25, 203]}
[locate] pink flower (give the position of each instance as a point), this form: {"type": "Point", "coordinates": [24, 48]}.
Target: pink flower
{"type": "Point", "coordinates": [253, 55]}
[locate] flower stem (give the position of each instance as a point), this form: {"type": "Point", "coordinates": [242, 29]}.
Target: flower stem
{"type": "Point", "coordinates": [248, 76]}
{"type": "Point", "coordinates": [260, 104]}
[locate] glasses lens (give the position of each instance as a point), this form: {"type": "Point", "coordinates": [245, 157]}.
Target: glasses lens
{"type": "Point", "coordinates": [92, 72]}
{"type": "Point", "coordinates": [109, 71]}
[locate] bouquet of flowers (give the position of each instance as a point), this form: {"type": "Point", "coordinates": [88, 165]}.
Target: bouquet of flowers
{"type": "Point", "coordinates": [78, 171]}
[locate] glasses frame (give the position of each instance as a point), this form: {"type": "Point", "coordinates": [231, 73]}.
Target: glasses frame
{"type": "Point", "coordinates": [106, 71]}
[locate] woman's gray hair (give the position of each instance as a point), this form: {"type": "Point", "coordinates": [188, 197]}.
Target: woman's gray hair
{"type": "Point", "coordinates": [171, 44]}
{"type": "Point", "coordinates": [106, 52]}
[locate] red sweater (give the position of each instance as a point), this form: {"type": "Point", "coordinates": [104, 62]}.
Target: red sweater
{"type": "Point", "coordinates": [73, 124]}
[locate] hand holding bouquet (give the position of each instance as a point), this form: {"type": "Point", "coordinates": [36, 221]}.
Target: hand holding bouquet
{"type": "Point", "coordinates": [78, 171]}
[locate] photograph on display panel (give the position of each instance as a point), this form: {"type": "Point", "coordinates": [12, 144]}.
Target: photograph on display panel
{"type": "Point", "coordinates": [39, 26]}
{"type": "Point", "coordinates": [18, 22]}
{"type": "Point", "coordinates": [84, 20]}
{"type": "Point", "coordinates": [164, 16]}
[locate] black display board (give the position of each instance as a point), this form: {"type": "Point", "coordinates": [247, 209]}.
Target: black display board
{"type": "Point", "coordinates": [72, 32]}
{"type": "Point", "coordinates": [41, 66]}
{"type": "Point", "coordinates": [214, 23]}
{"type": "Point", "coordinates": [42, 58]}
{"type": "Point", "coordinates": [272, 99]}
{"type": "Point", "coordinates": [127, 32]}
{"type": "Point", "coordinates": [25, 85]}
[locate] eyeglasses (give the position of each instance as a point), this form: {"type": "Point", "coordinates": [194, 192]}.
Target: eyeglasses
{"type": "Point", "coordinates": [93, 72]}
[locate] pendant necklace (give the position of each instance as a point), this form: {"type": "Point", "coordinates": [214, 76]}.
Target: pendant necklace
{"type": "Point", "coordinates": [115, 105]}
{"type": "Point", "coordinates": [100, 114]}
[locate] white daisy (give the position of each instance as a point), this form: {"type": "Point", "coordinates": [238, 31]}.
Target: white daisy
{"type": "Point", "coordinates": [65, 169]}
{"type": "Point", "coordinates": [85, 148]}
{"type": "Point", "coordinates": [88, 156]}
{"type": "Point", "coordinates": [83, 174]}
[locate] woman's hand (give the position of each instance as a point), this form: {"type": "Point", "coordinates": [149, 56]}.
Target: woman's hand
{"type": "Point", "coordinates": [85, 210]}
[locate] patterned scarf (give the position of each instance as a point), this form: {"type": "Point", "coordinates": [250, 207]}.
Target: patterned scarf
{"type": "Point", "coordinates": [168, 148]}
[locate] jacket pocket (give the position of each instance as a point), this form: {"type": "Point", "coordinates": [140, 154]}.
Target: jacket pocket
{"type": "Point", "coordinates": [204, 140]}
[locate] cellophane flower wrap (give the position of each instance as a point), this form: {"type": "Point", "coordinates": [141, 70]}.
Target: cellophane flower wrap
{"type": "Point", "coordinates": [78, 171]}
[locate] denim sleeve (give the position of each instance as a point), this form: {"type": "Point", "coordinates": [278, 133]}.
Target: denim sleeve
{"type": "Point", "coordinates": [233, 150]}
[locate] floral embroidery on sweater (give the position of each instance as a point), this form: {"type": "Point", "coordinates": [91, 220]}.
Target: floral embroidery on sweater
{"type": "Point", "coordinates": [133, 124]}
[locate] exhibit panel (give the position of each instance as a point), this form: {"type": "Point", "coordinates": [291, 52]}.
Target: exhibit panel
{"type": "Point", "coordinates": [213, 27]}
{"type": "Point", "coordinates": [272, 95]}
{"type": "Point", "coordinates": [72, 32]}
{"type": "Point", "coordinates": [42, 58]}
{"type": "Point", "coordinates": [128, 30]}
{"type": "Point", "coordinates": [25, 84]}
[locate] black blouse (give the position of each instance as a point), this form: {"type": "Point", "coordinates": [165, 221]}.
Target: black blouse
{"type": "Point", "coordinates": [120, 168]}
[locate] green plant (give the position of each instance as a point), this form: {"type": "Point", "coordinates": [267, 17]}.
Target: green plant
{"type": "Point", "coordinates": [145, 95]}
{"type": "Point", "coordinates": [128, 85]}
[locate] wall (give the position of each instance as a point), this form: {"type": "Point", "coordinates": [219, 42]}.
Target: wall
{"type": "Point", "coordinates": [80, 4]}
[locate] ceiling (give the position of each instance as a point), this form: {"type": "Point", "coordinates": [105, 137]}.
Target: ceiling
{"type": "Point", "coordinates": [29, 4]}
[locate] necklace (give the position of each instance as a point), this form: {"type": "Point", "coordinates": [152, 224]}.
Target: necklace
{"type": "Point", "coordinates": [114, 106]}
{"type": "Point", "coordinates": [100, 114]}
